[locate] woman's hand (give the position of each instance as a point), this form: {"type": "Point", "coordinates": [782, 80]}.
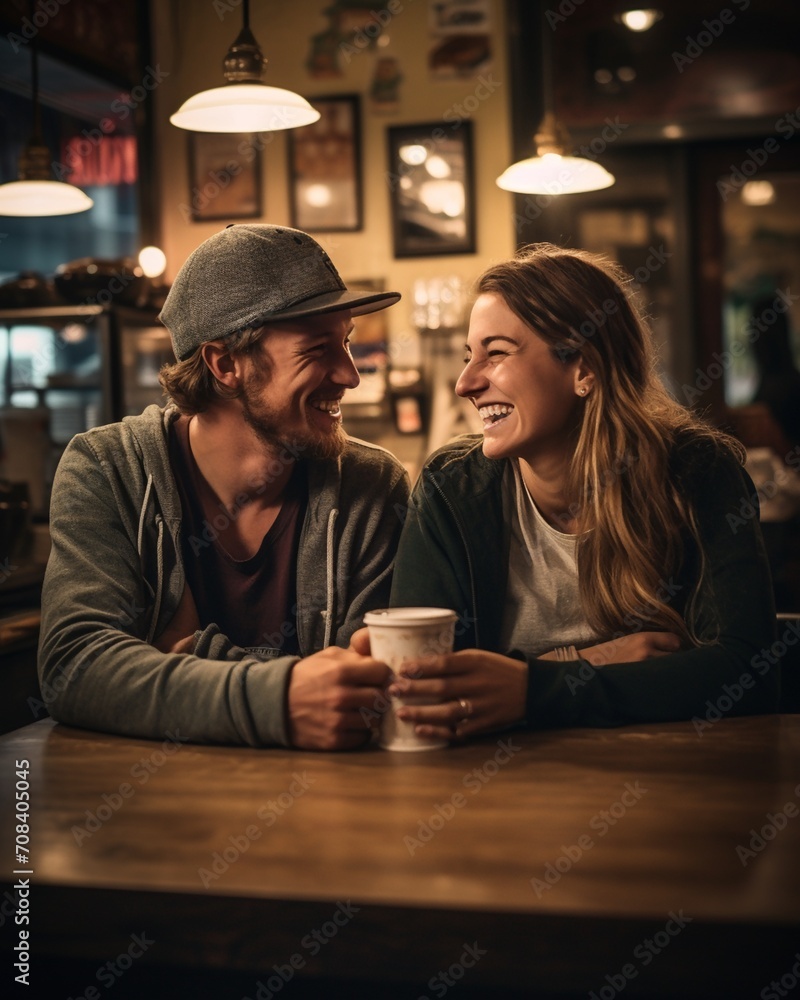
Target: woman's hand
{"type": "Point", "coordinates": [631, 648]}
{"type": "Point", "coordinates": [475, 692]}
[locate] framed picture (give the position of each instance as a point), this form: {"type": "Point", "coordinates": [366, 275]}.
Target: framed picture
{"type": "Point", "coordinates": [325, 168]}
{"type": "Point", "coordinates": [224, 176]}
{"type": "Point", "coordinates": [431, 188]}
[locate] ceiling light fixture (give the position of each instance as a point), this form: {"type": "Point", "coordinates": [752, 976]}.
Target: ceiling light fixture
{"type": "Point", "coordinates": [36, 194]}
{"type": "Point", "coordinates": [552, 170]}
{"type": "Point", "coordinates": [640, 20]}
{"type": "Point", "coordinates": [245, 103]}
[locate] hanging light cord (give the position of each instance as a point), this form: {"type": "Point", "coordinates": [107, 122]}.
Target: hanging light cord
{"type": "Point", "coordinates": [540, 173]}
{"type": "Point", "coordinates": [34, 161]}
{"type": "Point", "coordinates": [37, 114]}
{"type": "Point", "coordinates": [548, 87]}
{"type": "Point", "coordinates": [35, 193]}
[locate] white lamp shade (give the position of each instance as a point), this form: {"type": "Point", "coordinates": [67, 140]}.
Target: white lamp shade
{"type": "Point", "coordinates": [244, 107]}
{"type": "Point", "coordinates": [40, 198]}
{"type": "Point", "coordinates": [554, 174]}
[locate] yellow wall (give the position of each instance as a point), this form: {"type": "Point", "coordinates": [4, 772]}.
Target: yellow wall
{"type": "Point", "coordinates": [190, 43]}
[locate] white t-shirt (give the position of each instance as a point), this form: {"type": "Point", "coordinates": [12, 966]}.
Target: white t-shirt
{"type": "Point", "coordinates": [543, 608]}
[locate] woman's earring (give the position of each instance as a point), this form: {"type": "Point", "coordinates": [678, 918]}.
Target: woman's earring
{"type": "Point", "coordinates": [582, 390]}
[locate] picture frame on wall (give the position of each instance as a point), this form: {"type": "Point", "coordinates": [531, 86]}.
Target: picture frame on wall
{"type": "Point", "coordinates": [224, 176]}
{"type": "Point", "coordinates": [432, 189]}
{"type": "Point", "coordinates": [325, 168]}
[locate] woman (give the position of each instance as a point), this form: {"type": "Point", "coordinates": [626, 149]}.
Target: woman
{"type": "Point", "coordinates": [591, 539]}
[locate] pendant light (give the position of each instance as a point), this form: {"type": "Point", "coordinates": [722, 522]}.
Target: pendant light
{"type": "Point", "coordinates": [552, 170]}
{"type": "Point", "coordinates": [245, 103]}
{"type": "Point", "coordinates": [36, 193]}
{"type": "Point", "coordinates": [639, 20]}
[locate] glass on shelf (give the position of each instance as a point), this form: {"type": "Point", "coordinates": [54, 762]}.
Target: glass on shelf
{"type": "Point", "coordinates": [439, 303]}
{"type": "Point", "coordinates": [54, 383]}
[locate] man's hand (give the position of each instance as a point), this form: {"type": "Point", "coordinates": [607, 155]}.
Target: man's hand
{"type": "Point", "coordinates": [359, 641]}
{"type": "Point", "coordinates": [335, 699]}
{"type": "Point", "coordinates": [178, 636]}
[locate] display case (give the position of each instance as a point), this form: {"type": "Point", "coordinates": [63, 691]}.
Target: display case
{"type": "Point", "coordinates": [65, 369]}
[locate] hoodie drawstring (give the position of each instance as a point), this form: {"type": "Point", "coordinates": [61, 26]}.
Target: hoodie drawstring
{"type": "Point", "coordinates": [142, 512]}
{"type": "Point", "coordinates": [330, 578]}
{"type": "Point", "coordinates": [159, 555]}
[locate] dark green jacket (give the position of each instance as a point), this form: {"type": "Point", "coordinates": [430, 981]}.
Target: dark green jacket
{"type": "Point", "coordinates": [454, 553]}
{"type": "Point", "coordinates": [115, 579]}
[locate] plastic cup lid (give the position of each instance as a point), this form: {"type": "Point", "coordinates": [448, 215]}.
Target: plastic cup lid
{"type": "Point", "coordinates": [410, 616]}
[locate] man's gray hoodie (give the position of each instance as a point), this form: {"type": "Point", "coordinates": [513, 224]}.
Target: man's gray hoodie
{"type": "Point", "coordinates": [115, 579]}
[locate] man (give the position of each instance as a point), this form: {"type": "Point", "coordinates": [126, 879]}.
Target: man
{"type": "Point", "coordinates": [211, 559]}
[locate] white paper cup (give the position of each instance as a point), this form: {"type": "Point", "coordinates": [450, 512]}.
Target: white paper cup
{"type": "Point", "coordinates": [397, 635]}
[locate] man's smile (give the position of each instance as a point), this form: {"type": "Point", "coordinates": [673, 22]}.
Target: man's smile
{"type": "Point", "coordinates": [330, 406]}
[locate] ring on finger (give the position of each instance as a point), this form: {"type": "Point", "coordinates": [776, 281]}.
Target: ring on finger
{"type": "Point", "coordinates": [466, 707]}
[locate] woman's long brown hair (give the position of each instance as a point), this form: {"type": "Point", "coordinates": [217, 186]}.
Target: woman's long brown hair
{"type": "Point", "coordinates": [632, 516]}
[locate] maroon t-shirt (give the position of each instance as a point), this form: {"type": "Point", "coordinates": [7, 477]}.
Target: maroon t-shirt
{"type": "Point", "coordinates": [252, 601]}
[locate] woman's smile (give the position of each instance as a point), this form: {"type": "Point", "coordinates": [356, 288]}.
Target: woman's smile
{"type": "Point", "coordinates": [494, 413]}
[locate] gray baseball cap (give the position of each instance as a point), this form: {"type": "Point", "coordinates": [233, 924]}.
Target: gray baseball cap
{"type": "Point", "coordinates": [248, 275]}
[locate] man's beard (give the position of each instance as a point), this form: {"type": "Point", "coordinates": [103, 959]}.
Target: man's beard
{"type": "Point", "coordinates": [269, 426]}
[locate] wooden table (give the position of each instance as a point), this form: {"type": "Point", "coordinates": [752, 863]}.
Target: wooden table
{"type": "Point", "coordinates": [555, 856]}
